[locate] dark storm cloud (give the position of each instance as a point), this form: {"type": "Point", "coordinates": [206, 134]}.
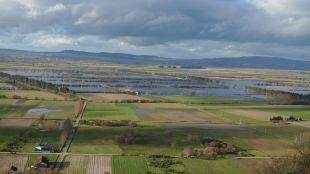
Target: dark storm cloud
{"type": "Point", "coordinates": [153, 22]}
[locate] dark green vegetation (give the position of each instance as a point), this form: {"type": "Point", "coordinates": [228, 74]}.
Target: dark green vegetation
{"type": "Point", "coordinates": [10, 135]}
{"type": "Point", "coordinates": [162, 164]}
{"type": "Point", "coordinates": [15, 79]}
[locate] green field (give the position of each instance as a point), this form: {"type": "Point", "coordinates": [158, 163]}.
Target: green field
{"type": "Point", "coordinates": [33, 136]}
{"type": "Point", "coordinates": [36, 136]}
{"type": "Point", "coordinates": [196, 166]}
{"type": "Point", "coordinates": [16, 108]}
{"type": "Point", "coordinates": [201, 100]}
{"type": "Point", "coordinates": [96, 140]}
{"type": "Point", "coordinates": [7, 135]}
{"type": "Point", "coordinates": [109, 111]}
{"type": "Point", "coordinates": [129, 165]}
{"type": "Point", "coordinates": [259, 140]}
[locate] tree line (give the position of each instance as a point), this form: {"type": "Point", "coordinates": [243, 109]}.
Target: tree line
{"type": "Point", "coordinates": [37, 83]}
{"type": "Point", "coordinates": [281, 97]}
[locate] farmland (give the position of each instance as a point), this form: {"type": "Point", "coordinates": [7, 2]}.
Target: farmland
{"type": "Point", "coordinates": [31, 94]}
{"type": "Point", "coordinates": [19, 161]}
{"type": "Point", "coordinates": [17, 122]}
{"type": "Point", "coordinates": [21, 108]}
{"type": "Point", "coordinates": [109, 111]}
{"type": "Point", "coordinates": [129, 165]}
{"type": "Point", "coordinates": [157, 131]}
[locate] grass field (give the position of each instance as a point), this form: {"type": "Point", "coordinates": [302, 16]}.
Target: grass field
{"type": "Point", "coordinates": [33, 136]}
{"type": "Point", "coordinates": [129, 165]}
{"type": "Point", "coordinates": [250, 134]}
{"type": "Point", "coordinates": [235, 166]}
{"type": "Point", "coordinates": [12, 108]}
{"type": "Point", "coordinates": [109, 111]}
{"type": "Point", "coordinates": [96, 140]}
{"type": "Point", "coordinates": [7, 134]}
{"type": "Point", "coordinates": [37, 136]}
{"type": "Point", "coordinates": [200, 100]}
{"type": "Point", "coordinates": [148, 140]}
{"type": "Point", "coordinates": [103, 97]}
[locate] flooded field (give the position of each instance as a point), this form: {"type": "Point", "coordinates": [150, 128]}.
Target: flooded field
{"type": "Point", "coordinates": [120, 82]}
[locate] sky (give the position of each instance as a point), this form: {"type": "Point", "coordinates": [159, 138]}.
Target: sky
{"type": "Point", "coordinates": [169, 28]}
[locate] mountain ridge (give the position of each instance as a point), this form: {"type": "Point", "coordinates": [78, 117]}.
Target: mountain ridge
{"type": "Point", "coordinates": [123, 58]}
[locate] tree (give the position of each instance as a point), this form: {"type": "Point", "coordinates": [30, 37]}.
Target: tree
{"type": "Point", "coordinates": [63, 137]}
{"type": "Point", "coordinates": [78, 106]}
{"type": "Point", "coordinates": [66, 129]}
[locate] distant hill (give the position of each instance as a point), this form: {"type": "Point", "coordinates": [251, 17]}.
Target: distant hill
{"type": "Point", "coordinates": [248, 62]}
{"type": "Point", "coordinates": [121, 58]}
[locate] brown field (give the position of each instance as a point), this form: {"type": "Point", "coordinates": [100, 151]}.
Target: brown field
{"type": "Point", "coordinates": [185, 116]}
{"type": "Point", "coordinates": [215, 127]}
{"type": "Point", "coordinates": [51, 124]}
{"type": "Point", "coordinates": [99, 165]}
{"type": "Point", "coordinates": [17, 122]}
{"type": "Point", "coordinates": [75, 165]}
{"type": "Point", "coordinates": [102, 97]}
{"type": "Point", "coordinates": [32, 94]}
{"type": "Point", "coordinates": [251, 113]}
{"type": "Point", "coordinates": [305, 124]}
{"type": "Point", "coordinates": [18, 161]}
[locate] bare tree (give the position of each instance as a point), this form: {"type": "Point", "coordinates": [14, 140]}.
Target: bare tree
{"type": "Point", "coordinates": [298, 163]}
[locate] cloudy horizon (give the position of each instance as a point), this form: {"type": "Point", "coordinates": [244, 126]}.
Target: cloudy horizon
{"type": "Point", "coordinates": [167, 28]}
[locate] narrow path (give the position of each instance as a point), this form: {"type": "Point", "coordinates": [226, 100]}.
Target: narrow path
{"type": "Point", "coordinates": [104, 154]}
{"type": "Point", "coordinates": [69, 140]}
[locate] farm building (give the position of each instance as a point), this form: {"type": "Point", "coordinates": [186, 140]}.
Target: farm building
{"type": "Point", "coordinates": [40, 162]}
{"type": "Point", "coordinates": [44, 148]}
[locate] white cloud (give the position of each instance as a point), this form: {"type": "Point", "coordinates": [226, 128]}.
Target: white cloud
{"type": "Point", "coordinates": [285, 7]}
{"type": "Point", "coordinates": [54, 41]}
{"type": "Point", "coordinates": [59, 7]}
{"type": "Point", "coordinates": [173, 28]}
